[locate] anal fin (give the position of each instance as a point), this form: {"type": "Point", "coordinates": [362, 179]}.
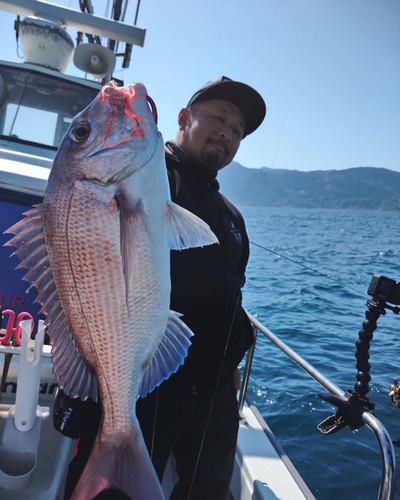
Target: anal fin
{"type": "Point", "coordinates": [169, 356]}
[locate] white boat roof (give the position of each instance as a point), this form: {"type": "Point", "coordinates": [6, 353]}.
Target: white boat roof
{"type": "Point", "coordinates": [60, 76]}
{"type": "Point", "coordinates": [23, 172]}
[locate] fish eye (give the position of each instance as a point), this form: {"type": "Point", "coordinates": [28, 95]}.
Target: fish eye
{"type": "Point", "coordinates": [80, 132]}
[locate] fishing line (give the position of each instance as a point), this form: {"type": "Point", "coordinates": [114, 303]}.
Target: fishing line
{"type": "Point", "coordinates": [280, 135]}
{"type": "Point", "coordinates": [154, 425]}
{"type": "Point", "coordinates": [114, 97]}
{"type": "Point", "coordinates": [344, 285]}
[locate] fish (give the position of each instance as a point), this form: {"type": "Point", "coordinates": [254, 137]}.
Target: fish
{"type": "Point", "coordinates": [97, 250]}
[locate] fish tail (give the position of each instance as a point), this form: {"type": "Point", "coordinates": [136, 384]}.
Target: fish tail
{"type": "Point", "coordinates": [125, 466]}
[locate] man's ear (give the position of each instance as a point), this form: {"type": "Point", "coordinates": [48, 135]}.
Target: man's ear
{"type": "Point", "coordinates": [183, 117]}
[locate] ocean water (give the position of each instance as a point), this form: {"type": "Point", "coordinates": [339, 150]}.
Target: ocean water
{"type": "Point", "coordinates": [320, 319]}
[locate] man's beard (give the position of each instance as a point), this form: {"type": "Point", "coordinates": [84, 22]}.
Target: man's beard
{"type": "Point", "coordinates": [214, 161]}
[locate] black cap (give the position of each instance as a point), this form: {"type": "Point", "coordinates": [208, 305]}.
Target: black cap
{"type": "Point", "coordinates": [248, 100]}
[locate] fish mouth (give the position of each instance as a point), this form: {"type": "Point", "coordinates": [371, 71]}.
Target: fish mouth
{"type": "Point", "coordinates": [102, 183]}
{"type": "Point", "coordinates": [116, 178]}
{"type": "Point", "coordinates": [107, 176]}
{"type": "Point", "coordinates": [133, 167]}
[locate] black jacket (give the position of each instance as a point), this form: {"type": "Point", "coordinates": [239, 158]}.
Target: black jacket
{"type": "Point", "coordinates": [206, 289]}
{"type": "Point", "coordinates": [206, 282]}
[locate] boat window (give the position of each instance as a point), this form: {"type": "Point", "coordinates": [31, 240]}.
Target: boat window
{"type": "Point", "coordinates": [38, 108]}
{"type": "Point", "coordinates": [19, 120]}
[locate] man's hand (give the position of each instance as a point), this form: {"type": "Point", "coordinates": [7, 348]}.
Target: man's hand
{"type": "Point", "coordinates": [237, 379]}
{"type": "Point", "coordinates": [70, 415]}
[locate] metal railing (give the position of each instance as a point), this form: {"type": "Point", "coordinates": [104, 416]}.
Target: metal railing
{"type": "Point", "coordinates": [388, 478]}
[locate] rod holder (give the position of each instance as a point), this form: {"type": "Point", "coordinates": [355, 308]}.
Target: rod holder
{"type": "Point", "coordinates": [21, 436]}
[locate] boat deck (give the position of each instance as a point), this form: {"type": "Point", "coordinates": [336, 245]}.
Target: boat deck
{"type": "Point", "coordinates": [262, 470]}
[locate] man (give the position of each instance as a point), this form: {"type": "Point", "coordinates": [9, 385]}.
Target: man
{"type": "Point", "coordinates": [194, 413]}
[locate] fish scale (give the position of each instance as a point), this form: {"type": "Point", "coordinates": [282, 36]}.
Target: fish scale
{"type": "Point", "coordinates": [104, 322]}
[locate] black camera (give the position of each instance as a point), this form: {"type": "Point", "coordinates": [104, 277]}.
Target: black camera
{"type": "Point", "coordinates": [384, 289]}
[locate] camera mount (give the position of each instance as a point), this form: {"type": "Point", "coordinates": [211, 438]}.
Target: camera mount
{"type": "Point", "coordinates": [385, 294]}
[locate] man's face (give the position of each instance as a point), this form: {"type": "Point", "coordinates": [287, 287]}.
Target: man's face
{"type": "Point", "coordinates": [211, 131]}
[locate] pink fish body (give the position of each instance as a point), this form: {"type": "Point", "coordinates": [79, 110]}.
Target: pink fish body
{"type": "Point", "coordinates": [97, 251]}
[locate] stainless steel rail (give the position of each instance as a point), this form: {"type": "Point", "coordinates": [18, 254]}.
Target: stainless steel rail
{"type": "Point", "coordinates": [388, 478]}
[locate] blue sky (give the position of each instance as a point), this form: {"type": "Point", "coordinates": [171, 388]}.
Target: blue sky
{"type": "Point", "coordinates": [329, 71]}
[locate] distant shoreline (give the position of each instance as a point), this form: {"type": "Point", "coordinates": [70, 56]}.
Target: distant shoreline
{"type": "Point", "coordinates": [360, 188]}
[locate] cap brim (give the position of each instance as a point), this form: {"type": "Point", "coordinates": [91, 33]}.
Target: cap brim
{"type": "Point", "coordinates": [248, 100]}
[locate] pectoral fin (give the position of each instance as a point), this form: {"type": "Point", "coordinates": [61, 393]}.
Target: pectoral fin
{"type": "Point", "coordinates": [131, 221]}
{"type": "Point", "coordinates": [186, 230]}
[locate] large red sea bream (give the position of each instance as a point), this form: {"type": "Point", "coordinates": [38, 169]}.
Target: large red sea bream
{"type": "Point", "coordinates": [97, 250]}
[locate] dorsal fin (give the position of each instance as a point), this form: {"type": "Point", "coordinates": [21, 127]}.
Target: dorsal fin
{"type": "Point", "coordinates": [72, 372]}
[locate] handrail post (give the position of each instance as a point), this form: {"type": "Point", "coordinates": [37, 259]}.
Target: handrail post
{"type": "Point", "coordinates": [246, 373]}
{"type": "Point", "coordinates": [388, 478]}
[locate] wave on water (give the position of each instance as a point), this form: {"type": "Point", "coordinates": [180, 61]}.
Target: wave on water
{"type": "Point", "coordinates": [320, 319]}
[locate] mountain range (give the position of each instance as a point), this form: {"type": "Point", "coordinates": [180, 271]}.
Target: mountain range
{"type": "Point", "coordinates": [354, 188]}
